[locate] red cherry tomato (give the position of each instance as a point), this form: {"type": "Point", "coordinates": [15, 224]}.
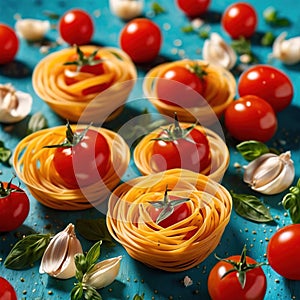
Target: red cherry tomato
{"type": "Point", "coordinates": [191, 151]}
{"type": "Point", "coordinates": [76, 27]}
{"type": "Point", "coordinates": [84, 163]}
{"type": "Point", "coordinates": [14, 207]}
{"type": "Point", "coordinates": [283, 251]}
{"type": "Point", "coordinates": [251, 118]}
{"type": "Point", "coordinates": [229, 287]}
{"type": "Point", "coordinates": [268, 83]}
{"type": "Point", "coordinates": [141, 39]}
{"type": "Point", "coordinates": [73, 75]}
{"type": "Point", "coordinates": [7, 292]}
{"type": "Point", "coordinates": [9, 44]}
{"type": "Point", "coordinates": [181, 86]}
{"type": "Point", "coordinates": [193, 8]}
{"type": "Point", "coordinates": [239, 20]}
{"type": "Point", "coordinates": [181, 212]}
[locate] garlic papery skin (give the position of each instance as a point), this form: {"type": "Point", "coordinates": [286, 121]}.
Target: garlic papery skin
{"type": "Point", "coordinates": [270, 173]}
{"type": "Point", "coordinates": [31, 29]}
{"type": "Point", "coordinates": [103, 273]}
{"type": "Point", "coordinates": [217, 51]}
{"type": "Point", "coordinates": [58, 259]}
{"type": "Point", "coordinates": [287, 50]}
{"type": "Point", "coordinates": [14, 105]}
{"type": "Point", "coordinates": [126, 9]}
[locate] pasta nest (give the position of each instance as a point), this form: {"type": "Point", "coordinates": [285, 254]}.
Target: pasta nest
{"type": "Point", "coordinates": [33, 166]}
{"type": "Point", "coordinates": [69, 102]}
{"type": "Point", "coordinates": [219, 92]}
{"type": "Point", "coordinates": [169, 249]}
{"type": "Point", "coordinates": [219, 152]}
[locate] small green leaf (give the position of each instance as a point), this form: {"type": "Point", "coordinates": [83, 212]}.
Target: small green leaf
{"type": "Point", "coordinates": [268, 39]}
{"type": "Point", "coordinates": [5, 154]}
{"type": "Point", "coordinates": [93, 254]}
{"type": "Point", "coordinates": [91, 293]}
{"type": "Point", "coordinates": [187, 28]}
{"type": "Point", "coordinates": [138, 297]}
{"type": "Point", "coordinates": [251, 150]}
{"type": "Point", "coordinates": [271, 17]}
{"type": "Point", "coordinates": [251, 208]}
{"type": "Point", "coordinates": [94, 230]}
{"type": "Point", "coordinates": [157, 8]}
{"type": "Point", "coordinates": [27, 251]}
{"type": "Point", "coordinates": [81, 265]}
{"type": "Point", "coordinates": [291, 202]}
{"type": "Point", "coordinates": [77, 292]}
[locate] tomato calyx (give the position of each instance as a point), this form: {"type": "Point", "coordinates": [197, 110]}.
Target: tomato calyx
{"type": "Point", "coordinates": [6, 191]}
{"type": "Point", "coordinates": [84, 60]}
{"type": "Point", "coordinates": [198, 70]}
{"type": "Point", "coordinates": [72, 138]}
{"type": "Point", "coordinates": [166, 206]}
{"type": "Point", "coordinates": [175, 132]}
{"type": "Point", "coordinates": [241, 267]}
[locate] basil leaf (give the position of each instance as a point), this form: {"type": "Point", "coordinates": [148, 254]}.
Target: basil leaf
{"type": "Point", "coordinates": [291, 202]}
{"type": "Point", "coordinates": [251, 150]}
{"type": "Point", "coordinates": [5, 154]}
{"type": "Point", "coordinates": [157, 8]}
{"type": "Point", "coordinates": [77, 292]}
{"type": "Point", "coordinates": [94, 230]}
{"type": "Point", "coordinates": [93, 254]}
{"type": "Point", "coordinates": [91, 293]}
{"type": "Point", "coordinates": [27, 251]}
{"type": "Point", "coordinates": [138, 297]}
{"type": "Point", "coordinates": [251, 208]}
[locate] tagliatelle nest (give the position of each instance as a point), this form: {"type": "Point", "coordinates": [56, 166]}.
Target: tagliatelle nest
{"type": "Point", "coordinates": [33, 165]}
{"type": "Point", "coordinates": [182, 245]}
{"type": "Point", "coordinates": [219, 152]}
{"type": "Point", "coordinates": [69, 102]}
{"type": "Point", "coordinates": [219, 93]}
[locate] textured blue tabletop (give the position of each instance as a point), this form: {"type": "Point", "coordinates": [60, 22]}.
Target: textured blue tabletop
{"type": "Point", "coordinates": [134, 277]}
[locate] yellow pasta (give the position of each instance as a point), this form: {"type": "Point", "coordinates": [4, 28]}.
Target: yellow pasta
{"type": "Point", "coordinates": [69, 101]}
{"type": "Point", "coordinates": [219, 93]}
{"type": "Point", "coordinates": [219, 153]}
{"type": "Point", "coordinates": [33, 165]}
{"type": "Point", "coordinates": [173, 248]}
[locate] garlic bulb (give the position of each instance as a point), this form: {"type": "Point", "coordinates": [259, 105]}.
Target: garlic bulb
{"type": "Point", "coordinates": [126, 9]}
{"type": "Point", "coordinates": [58, 258]}
{"type": "Point", "coordinates": [288, 51]}
{"type": "Point", "coordinates": [32, 29]}
{"type": "Point", "coordinates": [217, 51]}
{"type": "Point", "coordinates": [103, 273]}
{"type": "Point", "coordinates": [14, 105]}
{"type": "Point", "coordinates": [270, 173]}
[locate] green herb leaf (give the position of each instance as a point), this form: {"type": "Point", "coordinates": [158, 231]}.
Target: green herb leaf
{"type": "Point", "coordinates": [268, 39]}
{"type": "Point", "coordinates": [157, 8]}
{"type": "Point", "coordinates": [94, 230]}
{"type": "Point", "coordinates": [138, 297]}
{"type": "Point", "coordinates": [271, 17]}
{"type": "Point", "coordinates": [77, 291]}
{"type": "Point", "coordinates": [93, 254]}
{"type": "Point", "coordinates": [291, 202]}
{"type": "Point", "coordinates": [5, 154]}
{"type": "Point", "coordinates": [27, 251]}
{"type": "Point", "coordinates": [187, 28]}
{"type": "Point", "coordinates": [91, 294]}
{"type": "Point", "coordinates": [251, 208]}
{"type": "Point", "coordinates": [251, 150]}
{"type": "Point", "coordinates": [37, 122]}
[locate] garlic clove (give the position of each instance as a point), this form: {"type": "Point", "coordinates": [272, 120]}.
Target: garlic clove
{"type": "Point", "coordinates": [58, 258]}
{"type": "Point", "coordinates": [126, 9]}
{"type": "Point", "coordinates": [216, 50]}
{"type": "Point", "coordinates": [270, 174]}
{"type": "Point", "coordinates": [14, 105]}
{"type": "Point", "coordinates": [32, 29]}
{"type": "Point", "coordinates": [288, 51]}
{"type": "Point", "coordinates": [103, 273]}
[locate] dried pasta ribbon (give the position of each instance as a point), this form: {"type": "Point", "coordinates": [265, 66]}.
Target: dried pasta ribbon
{"type": "Point", "coordinates": [169, 248]}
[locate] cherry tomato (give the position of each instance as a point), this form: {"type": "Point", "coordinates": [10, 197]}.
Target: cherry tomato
{"type": "Point", "coordinates": [180, 212]}
{"type": "Point", "coordinates": [239, 20]}
{"type": "Point", "coordinates": [179, 148]}
{"type": "Point", "coordinates": [283, 251]}
{"type": "Point", "coordinates": [182, 86]}
{"type": "Point", "coordinates": [9, 44]}
{"type": "Point", "coordinates": [268, 83]}
{"type": "Point", "coordinates": [141, 39]}
{"type": "Point", "coordinates": [251, 118]}
{"type": "Point", "coordinates": [76, 27]}
{"type": "Point", "coordinates": [73, 73]}
{"type": "Point", "coordinates": [193, 8]}
{"type": "Point", "coordinates": [7, 292]}
{"type": "Point", "coordinates": [14, 206]}
{"type": "Point", "coordinates": [84, 162]}
{"type": "Point", "coordinates": [229, 287]}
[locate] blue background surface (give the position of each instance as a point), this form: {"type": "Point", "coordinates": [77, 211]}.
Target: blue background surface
{"type": "Point", "coordinates": [134, 277]}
